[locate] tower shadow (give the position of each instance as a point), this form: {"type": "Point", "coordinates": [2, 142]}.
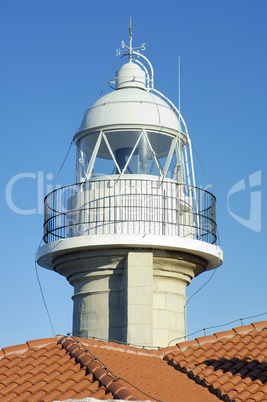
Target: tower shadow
{"type": "Point", "coordinates": [254, 369]}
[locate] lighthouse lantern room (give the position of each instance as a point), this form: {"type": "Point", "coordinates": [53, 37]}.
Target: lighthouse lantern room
{"type": "Point", "coordinates": [134, 230]}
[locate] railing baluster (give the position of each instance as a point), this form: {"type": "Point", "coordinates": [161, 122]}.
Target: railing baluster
{"type": "Point", "coordinates": [133, 207]}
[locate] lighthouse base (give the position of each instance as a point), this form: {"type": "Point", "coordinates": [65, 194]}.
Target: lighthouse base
{"type": "Point", "coordinates": [136, 296]}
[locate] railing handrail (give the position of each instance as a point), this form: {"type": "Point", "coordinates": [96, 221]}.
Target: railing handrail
{"type": "Point", "coordinates": [193, 208]}
{"type": "Point", "coordinates": [93, 180]}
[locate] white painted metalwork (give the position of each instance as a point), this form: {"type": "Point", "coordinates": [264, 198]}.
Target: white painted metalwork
{"type": "Point", "coordinates": [135, 134]}
{"type": "Point", "coordinates": [136, 204]}
{"type": "Point", "coordinates": [133, 104]}
{"type": "Point", "coordinates": [133, 110]}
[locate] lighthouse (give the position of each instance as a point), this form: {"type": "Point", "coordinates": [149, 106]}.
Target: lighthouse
{"type": "Point", "coordinates": [134, 229]}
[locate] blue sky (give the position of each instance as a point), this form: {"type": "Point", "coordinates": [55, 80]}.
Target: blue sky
{"type": "Point", "coordinates": [55, 59]}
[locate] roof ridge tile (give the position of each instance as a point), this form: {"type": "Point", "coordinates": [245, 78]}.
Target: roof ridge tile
{"type": "Point", "coordinates": [93, 366]}
{"type": "Point", "coordinates": [21, 348]}
{"type": "Point", "coordinates": [42, 342]}
{"type": "Point", "coordinates": [73, 348]}
{"type": "Point", "coordinates": [118, 388]}
{"type": "Point", "coordinates": [259, 324]}
{"type": "Point", "coordinates": [96, 368]}
{"type": "Point", "coordinates": [242, 330]}
{"type": "Point", "coordinates": [225, 334]}
{"type": "Point", "coordinates": [112, 345]}
{"type": "Point", "coordinates": [168, 350]}
{"type": "Point", "coordinates": [187, 344]}
{"type": "Point", "coordinates": [85, 359]}
{"type": "Point", "coordinates": [204, 339]}
{"type": "Point", "coordinates": [100, 372]}
{"type": "Point", "coordinates": [106, 380]}
{"type": "Point", "coordinates": [16, 348]}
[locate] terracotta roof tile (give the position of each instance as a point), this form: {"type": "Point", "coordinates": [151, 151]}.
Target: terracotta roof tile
{"type": "Point", "coordinates": [38, 386]}
{"type": "Point", "coordinates": [23, 396]}
{"type": "Point", "coordinates": [36, 396]}
{"type": "Point", "coordinates": [233, 365]}
{"type": "Point", "coordinates": [22, 379]}
{"type": "Point", "coordinates": [186, 344]}
{"type": "Point", "coordinates": [48, 369]}
{"type": "Point", "coordinates": [67, 395]}
{"type": "Point", "coordinates": [9, 379]}
{"type": "Point", "coordinates": [42, 342]}
{"type": "Point", "coordinates": [244, 328]}
{"type": "Point", "coordinates": [41, 370]}
{"type": "Point", "coordinates": [140, 370]}
{"type": "Point", "coordinates": [9, 397]}
{"type": "Point", "coordinates": [259, 396]}
{"type": "Point", "coordinates": [205, 339]}
{"type": "Point", "coordinates": [260, 324]}
{"type": "Point", "coordinates": [15, 348]}
{"type": "Point", "coordinates": [9, 388]}
{"type": "Point", "coordinates": [51, 396]}
{"type": "Point", "coordinates": [99, 394]}
{"type": "Point", "coordinates": [229, 365]}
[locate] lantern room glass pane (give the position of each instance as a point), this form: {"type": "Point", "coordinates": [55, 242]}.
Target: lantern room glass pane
{"type": "Point", "coordinates": [130, 152]}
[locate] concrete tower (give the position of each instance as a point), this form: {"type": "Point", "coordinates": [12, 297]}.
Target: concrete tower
{"type": "Point", "coordinates": [135, 229]}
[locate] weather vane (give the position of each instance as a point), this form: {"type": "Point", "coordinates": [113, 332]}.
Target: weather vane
{"type": "Point", "coordinates": [132, 50]}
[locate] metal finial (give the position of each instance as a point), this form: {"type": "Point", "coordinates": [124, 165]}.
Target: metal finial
{"type": "Point", "coordinates": [132, 50]}
{"type": "Point", "coordinates": [130, 38]}
{"type": "Point", "coordinates": [130, 26]}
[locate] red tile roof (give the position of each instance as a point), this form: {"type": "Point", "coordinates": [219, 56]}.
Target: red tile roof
{"type": "Point", "coordinates": [230, 366]}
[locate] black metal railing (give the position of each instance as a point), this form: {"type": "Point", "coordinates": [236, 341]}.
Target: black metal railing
{"type": "Point", "coordinates": [130, 206]}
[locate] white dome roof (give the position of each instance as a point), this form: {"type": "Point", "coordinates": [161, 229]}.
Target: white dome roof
{"type": "Point", "coordinates": [130, 75]}
{"type": "Point", "coordinates": [129, 106]}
